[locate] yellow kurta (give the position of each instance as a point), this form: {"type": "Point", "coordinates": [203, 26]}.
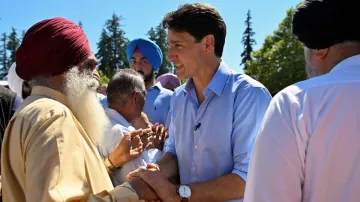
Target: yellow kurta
{"type": "Point", "coordinates": [47, 156]}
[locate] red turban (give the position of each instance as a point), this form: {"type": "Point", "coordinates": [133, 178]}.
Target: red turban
{"type": "Point", "coordinates": [51, 47]}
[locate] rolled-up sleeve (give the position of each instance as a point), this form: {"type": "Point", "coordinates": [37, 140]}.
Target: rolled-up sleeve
{"type": "Point", "coordinates": [250, 106]}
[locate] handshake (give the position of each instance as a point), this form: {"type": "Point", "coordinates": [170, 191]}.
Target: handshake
{"type": "Point", "coordinates": [134, 143]}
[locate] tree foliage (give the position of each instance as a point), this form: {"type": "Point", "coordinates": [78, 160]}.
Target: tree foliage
{"type": "Point", "coordinates": [159, 36]}
{"type": "Point", "coordinates": [248, 41]}
{"type": "Point", "coordinates": [112, 47]}
{"type": "Point", "coordinates": [280, 61]}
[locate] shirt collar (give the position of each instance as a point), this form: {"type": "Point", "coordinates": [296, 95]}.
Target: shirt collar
{"type": "Point", "coordinates": [50, 93]}
{"type": "Point", "coordinates": [217, 83]}
{"type": "Point", "coordinates": [117, 117]}
{"type": "Point", "coordinates": [348, 62]}
{"type": "Point", "coordinates": [156, 86]}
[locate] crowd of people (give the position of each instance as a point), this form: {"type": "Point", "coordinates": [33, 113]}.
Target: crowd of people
{"type": "Point", "coordinates": [219, 137]}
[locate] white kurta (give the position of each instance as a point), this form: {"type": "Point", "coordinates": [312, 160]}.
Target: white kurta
{"type": "Point", "coordinates": [308, 148]}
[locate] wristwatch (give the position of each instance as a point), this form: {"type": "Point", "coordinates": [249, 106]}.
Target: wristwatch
{"type": "Point", "coordinates": [184, 192]}
{"type": "Point", "coordinates": [108, 164]}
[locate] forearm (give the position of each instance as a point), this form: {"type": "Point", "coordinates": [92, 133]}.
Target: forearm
{"type": "Point", "coordinates": [143, 190]}
{"type": "Point", "coordinates": [168, 165]}
{"type": "Point", "coordinates": [225, 188]}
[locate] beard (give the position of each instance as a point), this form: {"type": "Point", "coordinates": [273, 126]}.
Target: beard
{"type": "Point", "coordinates": [147, 78]}
{"type": "Point", "coordinates": [311, 71]}
{"type": "Point", "coordinates": [80, 90]}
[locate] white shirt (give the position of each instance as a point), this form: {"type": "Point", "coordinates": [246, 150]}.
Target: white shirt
{"type": "Point", "coordinates": [308, 148]}
{"type": "Point", "coordinates": [121, 126]}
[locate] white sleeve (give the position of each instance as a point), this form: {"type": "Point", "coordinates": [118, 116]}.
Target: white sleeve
{"type": "Point", "coordinates": [276, 168]}
{"type": "Point", "coordinates": [111, 140]}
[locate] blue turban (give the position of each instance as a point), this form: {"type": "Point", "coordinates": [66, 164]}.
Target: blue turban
{"type": "Point", "coordinates": [148, 49]}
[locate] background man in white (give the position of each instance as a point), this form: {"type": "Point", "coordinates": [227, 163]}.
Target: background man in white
{"type": "Point", "coordinates": [308, 147]}
{"type": "Point", "coordinates": [126, 97]}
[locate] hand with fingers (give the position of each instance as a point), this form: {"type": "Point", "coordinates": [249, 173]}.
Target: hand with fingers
{"type": "Point", "coordinates": [157, 181]}
{"type": "Point", "coordinates": [160, 135]}
{"type": "Point", "coordinates": [147, 139]}
{"type": "Point", "coordinates": [129, 148]}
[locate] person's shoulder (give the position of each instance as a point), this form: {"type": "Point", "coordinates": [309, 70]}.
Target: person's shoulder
{"type": "Point", "coordinates": [37, 109]}
{"type": "Point", "coordinates": [166, 92]}
{"type": "Point", "coordinates": [297, 90]}
{"type": "Point", "coordinates": [244, 81]}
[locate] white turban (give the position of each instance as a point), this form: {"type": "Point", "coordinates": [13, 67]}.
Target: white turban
{"type": "Point", "coordinates": [14, 81]}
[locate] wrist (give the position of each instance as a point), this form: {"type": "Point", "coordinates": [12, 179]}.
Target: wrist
{"type": "Point", "coordinates": [174, 196]}
{"type": "Point", "coordinates": [115, 162]}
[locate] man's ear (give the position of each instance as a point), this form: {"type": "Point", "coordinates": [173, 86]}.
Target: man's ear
{"type": "Point", "coordinates": [320, 54]}
{"type": "Point", "coordinates": [209, 43]}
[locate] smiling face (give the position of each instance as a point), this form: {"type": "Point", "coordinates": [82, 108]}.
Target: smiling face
{"type": "Point", "coordinates": [185, 53]}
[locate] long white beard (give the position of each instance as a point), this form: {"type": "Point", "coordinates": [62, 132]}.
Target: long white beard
{"type": "Point", "coordinates": [80, 89]}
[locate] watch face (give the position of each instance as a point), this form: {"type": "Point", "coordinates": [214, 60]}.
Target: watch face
{"type": "Point", "coordinates": [184, 191]}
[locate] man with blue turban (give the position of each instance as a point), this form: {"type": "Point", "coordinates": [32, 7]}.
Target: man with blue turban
{"type": "Point", "coordinates": [145, 57]}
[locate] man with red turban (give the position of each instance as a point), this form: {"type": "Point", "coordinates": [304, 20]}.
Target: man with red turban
{"type": "Point", "coordinates": [49, 150]}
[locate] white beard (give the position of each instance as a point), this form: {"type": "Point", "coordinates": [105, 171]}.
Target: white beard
{"type": "Point", "coordinates": [80, 90]}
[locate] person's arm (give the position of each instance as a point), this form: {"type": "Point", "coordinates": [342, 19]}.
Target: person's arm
{"type": "Point", "coordinates": [55, 164]}
{"type": "Point", "coordinates": [169, 166]}
{"type": "Point", "coordinates": [168, 162]}
{"type": "Point", "coordinates": [249, 109]}
{"type": "Point", "coordinates": [276, 169]}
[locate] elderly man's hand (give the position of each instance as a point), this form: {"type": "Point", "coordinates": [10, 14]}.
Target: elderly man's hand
{"type": "Point", "coordinates": [129, 148]}
{"type": "Point", "coordinates": [158, 182]}
{"type": "Point", "coordinates": [143, 190]}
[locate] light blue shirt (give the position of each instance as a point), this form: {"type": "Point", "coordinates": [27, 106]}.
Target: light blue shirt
{"type": "Point", "coordinates": [157, 103]}
{"type": "Point", "coordinates": [230, 117]}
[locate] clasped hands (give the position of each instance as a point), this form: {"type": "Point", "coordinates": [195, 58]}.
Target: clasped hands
{"type": "Point", "coordinates": [152, 185]}
{"type": "Point", "coordinates": [134, 143]}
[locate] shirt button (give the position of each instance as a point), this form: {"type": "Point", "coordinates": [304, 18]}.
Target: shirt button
{"type": "Point", "coordinates": [193, 168]}
{"type": "Point", "coordinates": [195, 146]}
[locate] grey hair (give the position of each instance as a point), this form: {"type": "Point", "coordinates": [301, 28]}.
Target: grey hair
{"type": "Point", "coordinates": [123, 85]}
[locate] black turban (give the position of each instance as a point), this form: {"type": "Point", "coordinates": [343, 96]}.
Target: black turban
{"type": "Point", "coordinates": [320, 24]}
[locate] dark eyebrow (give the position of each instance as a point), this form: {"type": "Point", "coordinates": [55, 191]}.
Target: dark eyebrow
{"type": "Point", "coordinates": [142, 58]}
{"type": "Point", "coordinates": [174, 41]}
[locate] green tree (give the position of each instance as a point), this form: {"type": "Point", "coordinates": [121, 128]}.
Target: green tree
{"type": "Point", "coordinates": [159, 36]}
{"type": "Point", "coordinates": [3, 56]}
{"type": "Point", "coordinates": [22, 35]}
{"type": "Point", "coordinates": [103, 78]}
{"type": "Point", "coordinates": [280, 61]}
{"type": "Point", "coordinates": [112, 47]}
{"type": "Point", "coordinates": [247, 41]}
{"type": "Point", "coordinates": [12, 45]}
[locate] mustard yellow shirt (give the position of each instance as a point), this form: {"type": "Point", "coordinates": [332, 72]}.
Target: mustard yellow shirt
{"type": "Point", "coordinates": [47, 156]}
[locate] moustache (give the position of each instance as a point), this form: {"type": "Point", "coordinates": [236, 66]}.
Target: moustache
{"type": "Point", "coordinates": [141, 72]}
